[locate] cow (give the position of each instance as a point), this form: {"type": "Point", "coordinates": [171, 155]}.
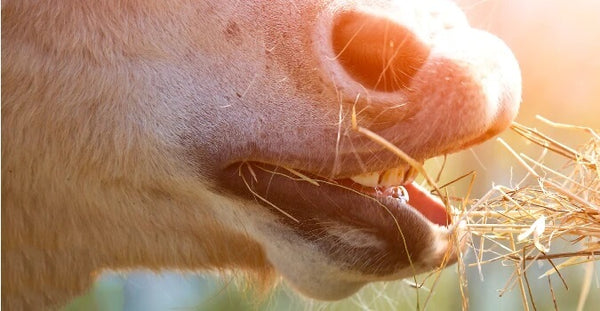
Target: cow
{"type": "Point", "coordinates": [221, 135]}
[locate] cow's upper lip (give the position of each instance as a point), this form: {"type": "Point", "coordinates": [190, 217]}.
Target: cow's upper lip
{"type": "Point", "coordinates": [313, 205]}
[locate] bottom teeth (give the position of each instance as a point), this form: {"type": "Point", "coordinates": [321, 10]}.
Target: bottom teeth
{"type": "Point", "coordinates": [392, 177]}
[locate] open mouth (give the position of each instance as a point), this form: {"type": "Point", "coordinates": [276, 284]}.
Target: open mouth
{"type": "Point", "coordinates": [399, 183]}
{"type": "Point", "coordinates": [376, 222]}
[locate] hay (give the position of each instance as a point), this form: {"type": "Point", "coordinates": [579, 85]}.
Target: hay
{"type": "Point", "coordinates": [522, 224]}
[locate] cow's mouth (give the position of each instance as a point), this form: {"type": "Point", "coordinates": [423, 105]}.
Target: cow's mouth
{"type": "Point", "coordinates": [376, 223]}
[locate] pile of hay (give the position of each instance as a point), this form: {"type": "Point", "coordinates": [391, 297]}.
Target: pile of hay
{"type": "Point", "coordinates": [520, 224]}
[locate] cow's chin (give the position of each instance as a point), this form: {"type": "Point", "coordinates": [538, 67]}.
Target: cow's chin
{"type": "Point", "coordinates": [333, 236]}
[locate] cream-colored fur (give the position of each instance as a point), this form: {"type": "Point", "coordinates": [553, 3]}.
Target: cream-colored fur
{"type": "Point", "coordinates": [118, 117]}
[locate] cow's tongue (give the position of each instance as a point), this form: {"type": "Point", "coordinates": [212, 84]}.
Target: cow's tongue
{"type": "Point", "coordinates": [431, 207]}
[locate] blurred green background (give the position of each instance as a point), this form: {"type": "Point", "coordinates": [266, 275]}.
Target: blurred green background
{"type": "Point", "coordinates": [141, 291]}
{"type": "Point", "coordinates": [557, 44]}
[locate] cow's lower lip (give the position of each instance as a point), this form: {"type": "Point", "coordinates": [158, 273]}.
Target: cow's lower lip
{"type": "Point", "coordinates": [387, 232]}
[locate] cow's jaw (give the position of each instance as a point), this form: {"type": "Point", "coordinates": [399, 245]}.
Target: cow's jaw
{"type": "Point", "coordinates": [334, 235]}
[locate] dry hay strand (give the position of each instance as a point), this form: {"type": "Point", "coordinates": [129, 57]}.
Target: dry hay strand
{"type": "Point", "coordinates": [519, 224]}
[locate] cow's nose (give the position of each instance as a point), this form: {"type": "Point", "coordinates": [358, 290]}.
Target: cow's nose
{"type": "Point", "coordinates": [377, 52]}
{"type": "Point", "coordinates": [432, 84]}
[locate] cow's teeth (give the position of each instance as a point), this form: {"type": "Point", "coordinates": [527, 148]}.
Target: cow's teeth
{"type": "Point", "coordinates": [411, 174]}
{"type": "Point", "coordinates": [367, 179]}
{"type": "Point", "coordinates": [392, 177]}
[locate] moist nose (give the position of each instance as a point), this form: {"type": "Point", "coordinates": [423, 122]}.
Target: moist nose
{"type": "Point", "coordinates": [377, 52]}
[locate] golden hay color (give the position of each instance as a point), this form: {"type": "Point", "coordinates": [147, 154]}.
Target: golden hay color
{"type": "Point", "coordinates": [520, 224]}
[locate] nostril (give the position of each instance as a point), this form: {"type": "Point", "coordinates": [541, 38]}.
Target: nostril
{"type": "Point", "coordinates": [377, 52]}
